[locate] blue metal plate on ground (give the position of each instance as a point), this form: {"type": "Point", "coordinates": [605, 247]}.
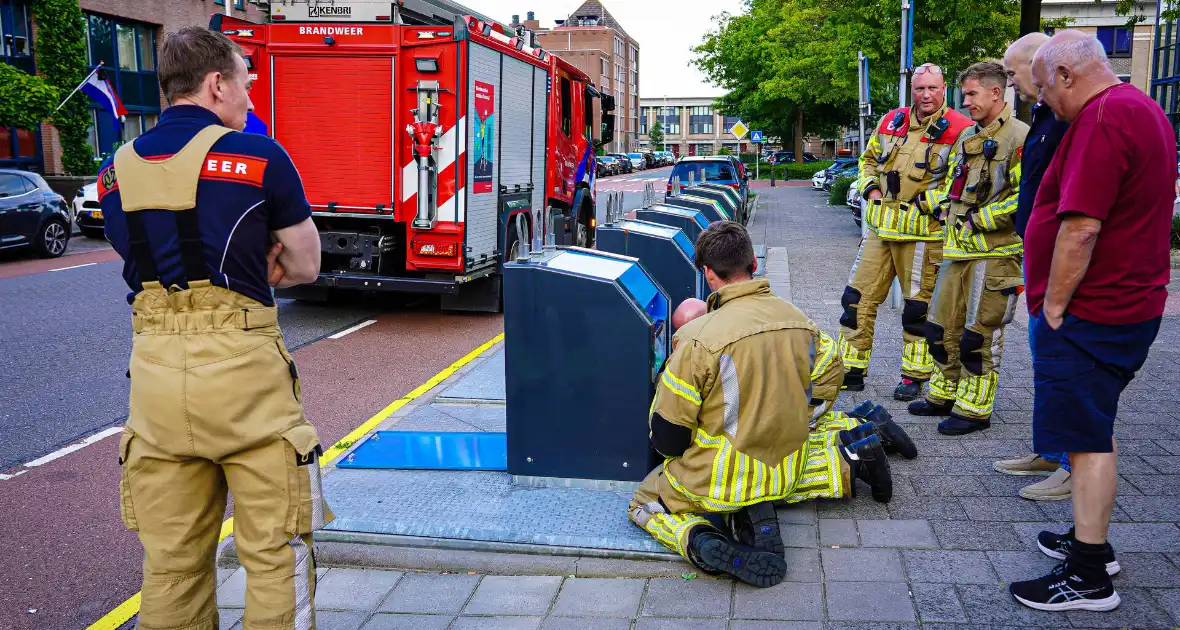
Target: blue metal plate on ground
{"type": "Point", "coordinates": [430, 450]}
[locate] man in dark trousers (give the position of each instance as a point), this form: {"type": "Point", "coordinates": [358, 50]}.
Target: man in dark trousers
{"type": "Point", "coordinates": [1097, 263]}
{"type": "Point", "coordinates": [193, 207]}
{"type": "Point", "coordinates": [1043, 137]}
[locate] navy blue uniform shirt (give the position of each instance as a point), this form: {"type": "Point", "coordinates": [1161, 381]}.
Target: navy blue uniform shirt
{"type": "Point", "coordinates": [1044, 135]}
{"type": "Point", "coordinates": [248, 188]}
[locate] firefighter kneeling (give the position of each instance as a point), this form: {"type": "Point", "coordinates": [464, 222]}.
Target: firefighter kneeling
{"type": "Point", "coordinates": [731, 417]}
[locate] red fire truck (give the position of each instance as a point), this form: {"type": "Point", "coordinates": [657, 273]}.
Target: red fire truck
{"type": "Point", "coordinates": [431, 146]}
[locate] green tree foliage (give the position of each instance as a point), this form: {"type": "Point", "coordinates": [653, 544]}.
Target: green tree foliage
{"type": "Point", "coordinates": [656, 135]}
{"type": "Point", "coordinates": [25, 100]}
{"type": "Point", "coordinates": [61, 58]}
{"type": "Point", "coordinates": [790, 66]}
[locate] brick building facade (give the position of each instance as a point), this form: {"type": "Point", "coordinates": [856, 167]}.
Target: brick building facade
{"type": "Point", "coordinates": [594, 42]}
{"type": "Point", "coordinates": [125, 35]}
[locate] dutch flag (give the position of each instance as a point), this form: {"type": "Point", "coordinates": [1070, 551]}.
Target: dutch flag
{"type": "Point", "coordinates": [100, 89]}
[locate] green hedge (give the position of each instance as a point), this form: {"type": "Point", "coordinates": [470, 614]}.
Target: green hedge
{"type": "Point", "coordinates": [839, 193]}
{"type": "Point", "coordinates": [1175, 232]}
{"type": "Point", "coordinates": [807, 169]}
{"type": "Point", "coordinates": [790, 170]}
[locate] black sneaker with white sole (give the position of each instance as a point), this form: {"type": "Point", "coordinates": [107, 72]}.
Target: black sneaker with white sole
{"type": "Point", "coordinates": [1058, 546]}
{"type": "Point", "coordinates": [714, 552]}
{"type": "Point", "coordinates": [1064, 589]}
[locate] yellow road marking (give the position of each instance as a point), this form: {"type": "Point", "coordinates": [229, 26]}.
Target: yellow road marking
{"type": "Point", "coordinates": [129, 608]}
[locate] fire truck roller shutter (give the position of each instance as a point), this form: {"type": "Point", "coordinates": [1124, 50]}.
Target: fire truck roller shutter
{"type": "Point", "coordinates": [516, 123]}
{"type": "Point", "coordinates": [333, 117]}
{"type": "Point", "coordinates": [482, 228]}
{"type": "Point", "coordinates": [540, 135]}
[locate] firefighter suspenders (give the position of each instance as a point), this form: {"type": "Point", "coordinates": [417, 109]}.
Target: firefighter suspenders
{"type": "Point", "coordinates": [167, 185]}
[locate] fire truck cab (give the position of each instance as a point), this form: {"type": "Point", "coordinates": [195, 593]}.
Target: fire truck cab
{"type": "Point", "coordinates": [432, 143]}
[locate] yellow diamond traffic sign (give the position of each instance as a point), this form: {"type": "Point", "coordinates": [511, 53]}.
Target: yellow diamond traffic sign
{"type": "Point", "coordinates": [739, 130]}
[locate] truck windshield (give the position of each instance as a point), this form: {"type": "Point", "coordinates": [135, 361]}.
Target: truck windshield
{"type": "Point", "coordinates": [704, 171]}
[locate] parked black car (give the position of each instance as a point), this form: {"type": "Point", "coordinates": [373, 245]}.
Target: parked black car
{"type": "Point", "coordinates": [32, 215]}
{"type": "Point", "coordinates": [783, 157]}
{"type": "Point", "coordinates": [625, 165]}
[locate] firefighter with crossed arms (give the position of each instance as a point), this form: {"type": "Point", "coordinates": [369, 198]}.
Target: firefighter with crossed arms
{"type": "Point", "coordinates": [903, 166]}
{"type": "Point", "coordinates": [977, 287]}
{"type": "Point", "coordinates": [207, 220]}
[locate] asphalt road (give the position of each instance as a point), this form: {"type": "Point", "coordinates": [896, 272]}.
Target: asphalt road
{"type": "Point", "coordinates": [632, 185]}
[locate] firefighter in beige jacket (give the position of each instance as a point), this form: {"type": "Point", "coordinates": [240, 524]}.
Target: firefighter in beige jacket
{"type": "Point", "coordinates": [731, 417]}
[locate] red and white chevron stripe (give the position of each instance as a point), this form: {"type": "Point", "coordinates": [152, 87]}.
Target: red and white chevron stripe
{"type": "Point", "coordinates": [451, 197]}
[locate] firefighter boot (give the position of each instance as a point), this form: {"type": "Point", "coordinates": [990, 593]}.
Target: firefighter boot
{"type": "Point", "coordinates": [927, 408]}
{"type": "Point", "coordinates": [711, 551]}
{"type": "Point", "coordinates": [908, 389]}
{"type": "Point", "coordinates": [757, 526]}
{"type": "Point", "coordinates": [858, 433]}
{"type": "Point", "coordinates": [864, 409]}
{"type": "Point", "coordinates": [854, 380]}
{"type": "Point", "coordinates": [894, 439]}
{"type": "Point", "coordinates": [867, 460]}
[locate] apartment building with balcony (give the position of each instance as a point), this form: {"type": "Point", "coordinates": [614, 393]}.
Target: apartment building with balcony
{"type": "Point", "coordinates": [592, 39]}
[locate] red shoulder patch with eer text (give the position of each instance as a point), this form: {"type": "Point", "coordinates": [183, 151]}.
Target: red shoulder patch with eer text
{"type": "Point", "coordinates": [107, 183]}
{"type": "Point", "coordinates": [230, 167]}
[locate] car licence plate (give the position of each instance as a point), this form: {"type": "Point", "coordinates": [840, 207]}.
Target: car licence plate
{"type": "Point", "coordinates": [97, 214]}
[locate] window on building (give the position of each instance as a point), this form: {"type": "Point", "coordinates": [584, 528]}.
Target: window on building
{"type": "Point", "coordinates": [1116, 40]}
{"type": "Point", "coordinates": [605, 67]}
{"type": "Point", "coordinates": [634, 78]}
{"type": "Point", "coordinates": [238, 4]}
{"type": "Point", "coordinates": [700, 120]}
{"type": "Point", "coordinates": [730, 121]}
{"type": "Point", "coordinates": [127, 51]}
{"type": "Point", "coordinates": [16, 49]}
{"type": "Point", "coordinates": [19, 148]}
{"type": "Point", "coordinates": [619, 50]}
{"type": "Point", "coordinates": [634, 58]}
{"type": "Point", "coordinates": [670, 120]}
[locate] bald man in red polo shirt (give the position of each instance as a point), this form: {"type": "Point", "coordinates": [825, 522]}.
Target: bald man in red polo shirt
{"type": "Point", "coordinates": [1097, 265]}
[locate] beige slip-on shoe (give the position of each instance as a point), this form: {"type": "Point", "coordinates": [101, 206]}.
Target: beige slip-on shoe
{"type": "Point", "coordinates": [1058, 487]}
{"type": "Point", "coordinates": [1028, 465]}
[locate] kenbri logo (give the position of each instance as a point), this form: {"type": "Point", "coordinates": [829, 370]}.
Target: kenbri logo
{"type": "Point", "coordinates": [328, 11]}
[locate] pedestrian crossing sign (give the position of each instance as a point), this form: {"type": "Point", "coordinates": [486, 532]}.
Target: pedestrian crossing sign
{"type": "Point", "coordinates": [739, 130]}
{"type": "Point", "coordinates": [756, 137]}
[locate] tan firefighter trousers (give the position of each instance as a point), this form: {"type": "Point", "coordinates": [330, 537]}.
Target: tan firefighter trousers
{"type": "Point", "coordinates": [915, 265]}
{"type": "Point", "coordinates": [216, 406]}
{"type": "Point", "coordinates": [973, 302]}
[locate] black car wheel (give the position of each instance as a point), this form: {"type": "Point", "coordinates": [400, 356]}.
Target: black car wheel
{"type": "Point", "coordinates": [51, 240]}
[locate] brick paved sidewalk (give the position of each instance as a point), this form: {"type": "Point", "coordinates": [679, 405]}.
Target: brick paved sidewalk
{"type": "Point", "coordinates": [940, 555]}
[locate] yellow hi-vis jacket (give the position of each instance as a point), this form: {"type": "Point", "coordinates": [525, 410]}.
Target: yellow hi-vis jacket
{"type": "Point", "coordinates": [986, 190]}
{"type": "Point", "coordinates": [920, 152]}
{"type": "Point", "coordinates": [740, 379]}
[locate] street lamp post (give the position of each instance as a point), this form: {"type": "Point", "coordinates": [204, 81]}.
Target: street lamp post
{"type": "Point", "coordinates": [907, 59]}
